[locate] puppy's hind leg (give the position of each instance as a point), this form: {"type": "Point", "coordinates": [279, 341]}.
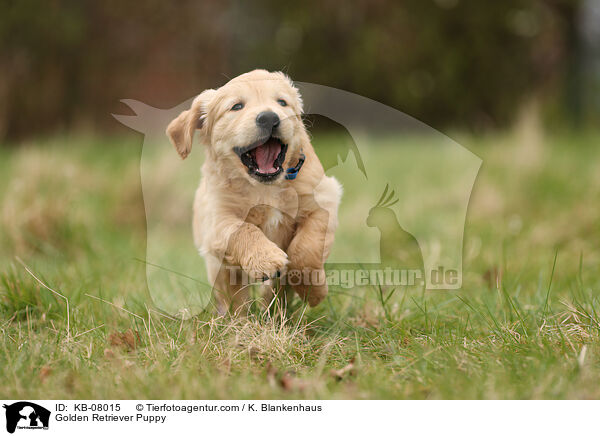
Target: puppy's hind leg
{"type": "Point", "coordinates": [312, 242]}
{"type": "Point", "coordinates": [307, 252]}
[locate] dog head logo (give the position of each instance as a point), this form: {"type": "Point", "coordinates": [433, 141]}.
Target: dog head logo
{"type": "Point", "coordinates": [26, 415]}
{"type": "Point", "coordinates": [428, 178]}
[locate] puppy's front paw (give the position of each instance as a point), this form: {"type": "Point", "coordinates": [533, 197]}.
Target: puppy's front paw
{"type": "Point", "coordinates": [265, 262]}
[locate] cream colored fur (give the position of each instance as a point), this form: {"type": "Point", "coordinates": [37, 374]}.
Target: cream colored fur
{"type": "Point", "coordinates": [287, 225]}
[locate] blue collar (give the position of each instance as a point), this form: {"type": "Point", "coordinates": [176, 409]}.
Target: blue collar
{"type": "Point", "coordinates": [291, 173]}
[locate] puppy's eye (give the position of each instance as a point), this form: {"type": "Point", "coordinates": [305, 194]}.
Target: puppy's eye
{"type": "Point", "coordinates": [282, 102]}
{"type": "Point", "coordinates": [237, 106]}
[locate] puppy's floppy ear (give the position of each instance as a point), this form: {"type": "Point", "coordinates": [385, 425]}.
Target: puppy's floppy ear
{"type": "Point", "coordinates": [181, 130]}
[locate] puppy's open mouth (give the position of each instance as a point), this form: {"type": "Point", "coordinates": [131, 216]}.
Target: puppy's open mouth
{"type": "Point", "coordinates": [264, 159]}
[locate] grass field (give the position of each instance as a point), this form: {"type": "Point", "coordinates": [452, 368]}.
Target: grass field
{"type": "Point", "coordinates": [525, 324]}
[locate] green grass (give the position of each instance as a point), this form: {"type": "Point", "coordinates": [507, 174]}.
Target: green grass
{"type": "Point", "coordinates": [524, 325]}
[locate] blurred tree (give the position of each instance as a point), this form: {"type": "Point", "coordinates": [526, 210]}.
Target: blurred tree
{"type": "Point", "coordinates": [463, 62]}
{"type": "Point", "coordinates": [66, 63]}
{"type": "Point", "coordinates": [466, 63]}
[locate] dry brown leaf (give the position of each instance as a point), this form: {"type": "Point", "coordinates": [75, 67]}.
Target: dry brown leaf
{"type": "Point", "coordinates": [45, 371]}
{"type": "Point", "coordinates": [289, 382]}
{"type": "Point", "coordinates": [348, 370]}
{"type": "Point", "coordinates": [128, 339]}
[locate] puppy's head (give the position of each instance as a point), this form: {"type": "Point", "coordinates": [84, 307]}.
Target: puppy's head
{"type": "Point", "coordinates": [251, 125]}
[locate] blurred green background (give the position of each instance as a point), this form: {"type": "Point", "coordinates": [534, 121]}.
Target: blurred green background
{"type": "Point", "coordinates": [461, 64]}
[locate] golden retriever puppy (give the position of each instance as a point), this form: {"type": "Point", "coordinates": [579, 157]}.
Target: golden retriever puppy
{"type": "Point", "coordinates": [264, 206]}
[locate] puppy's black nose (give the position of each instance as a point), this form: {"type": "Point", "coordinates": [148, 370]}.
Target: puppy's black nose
{"type": "Point", "coordinates": [267, 120]}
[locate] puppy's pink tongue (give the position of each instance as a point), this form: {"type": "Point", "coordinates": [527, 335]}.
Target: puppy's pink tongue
{"type": "Point", "coordinates": [265, 156]}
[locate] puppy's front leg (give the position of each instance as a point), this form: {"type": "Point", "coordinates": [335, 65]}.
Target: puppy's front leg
{"type": "Point", "coordinates": [307, 252]}
{"type": "Point", "coordinates": [255, 253]}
